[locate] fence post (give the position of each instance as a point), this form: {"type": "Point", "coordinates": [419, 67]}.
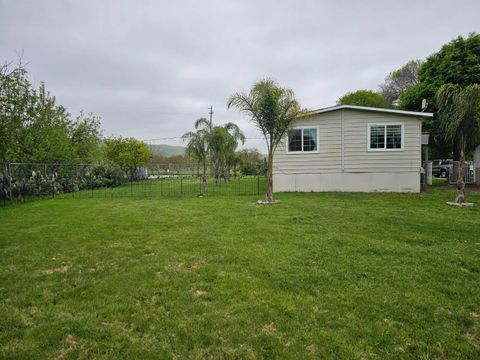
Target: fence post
{"type": "Point", "coordinates": [53, 186]}
{"type": "Point", "coordinates": [258, 184]}
{"type": "Point", "coordinates": [161, 186]}
{"type": "Point", "coordinates": [91, 181]}
{"type": "Point", "coordinates": [131, 186]}
{"type": "Point", "coordinates": [5, 190]}
{"type": "Point", "coordinates": [9, 177]}
{"type": "Point", "coordinates": [181, 185]}
{"type": "Point", "coordinates": [74, 181]}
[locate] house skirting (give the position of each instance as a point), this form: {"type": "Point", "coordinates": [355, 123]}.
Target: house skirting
{"type": "Point", "coordinates": [348, 182]}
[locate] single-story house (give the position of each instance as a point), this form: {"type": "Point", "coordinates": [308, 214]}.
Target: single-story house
{"type": "Point", "coordinates": [351, 148]}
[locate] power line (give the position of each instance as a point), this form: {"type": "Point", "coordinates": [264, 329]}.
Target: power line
{"type": "Point", "coordinates": [179, 137]}
{"type": "Point", "coordinates": [210, 113]}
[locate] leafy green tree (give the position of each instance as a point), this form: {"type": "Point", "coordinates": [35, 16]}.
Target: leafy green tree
{"type": "Point", "coordinates": [459, 114]}
{"type": "Point", "coordinates": [399, 80]}
{"type": "Point", "coordinates": [197, 149]}
{"type": "Point", "coordinates": [16, 102]}
{"type": "Point", "coordinates": [363, 98]}
{"type": "Point", "coordinates": [251, 162]}
{"type": "Point", "coordinates": [44, 137]}
{"type": "Point", "coordinates": [85, 136]}
{"type": "Point", "coordinates": [34, 128]}
{"type": "Point", "coordinates": [457, 62]}
{"type": "Point", "coordinates": [233, 164]}
{"type": "Point", "coordinates": [273, 110]}
{"type": "Point", "coordinates": [128, 153]}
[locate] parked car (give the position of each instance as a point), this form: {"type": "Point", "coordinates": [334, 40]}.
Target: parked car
{"type": "Point", "coordinates": [442, 168]}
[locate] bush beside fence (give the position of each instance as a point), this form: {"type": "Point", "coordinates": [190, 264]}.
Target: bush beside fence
{"type": "Point", "coordinates": [20, 181]}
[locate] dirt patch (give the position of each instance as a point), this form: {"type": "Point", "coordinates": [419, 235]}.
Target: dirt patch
{"type": "Point", "coordinates": [174, 265]}
{"type": "Point", "coordinates": [61, 269]}
{"type": "Point", "coordinates": [269, 329]}
{"type": "Point", "coordinates": [197, 263]}
{"type": "Point", "coordinates": [70, 339]}
{"type": "Point", "coordinates": [200, 292]}
{"type": "Point", "coordinates": [312, 349]}
{"type": "Point", "coordinates": [69, 343]}
{"type": "Point", "coordinates": [441, 309]}
{"type": "Point", "coordinates": [472, 331]}
{"type": "Point", "coordinates": [264, 202]}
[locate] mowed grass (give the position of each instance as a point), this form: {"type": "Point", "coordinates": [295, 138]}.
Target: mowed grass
{"type": "Point", "coordinates": [316, 276]}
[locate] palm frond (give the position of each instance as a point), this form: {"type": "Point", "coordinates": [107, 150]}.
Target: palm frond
{"type": "Point", "coordinates": [202, 123]}
{"type": "Point", "coordinates": [459, 113]}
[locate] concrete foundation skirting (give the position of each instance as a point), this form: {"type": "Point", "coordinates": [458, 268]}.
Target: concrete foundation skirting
{"type": "Point", "coordinates": [348, 182]}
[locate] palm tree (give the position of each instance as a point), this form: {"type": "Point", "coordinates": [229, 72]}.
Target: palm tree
{"type": "Point", "coordinates": [206, 126]}
{"type": "Point", "coordinates": [222, 142]}
{"type": "Point", "coordinates": [197, 148]}
{"type": "Point", "coordinates": [459, 114]}
{"type": "Point", "coordinates": [273, 110]}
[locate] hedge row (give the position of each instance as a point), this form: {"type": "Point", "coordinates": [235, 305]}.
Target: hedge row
{"type": "Point", "coordinates": [20, 180]}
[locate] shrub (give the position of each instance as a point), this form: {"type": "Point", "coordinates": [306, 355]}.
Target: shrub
{"type": "Point", "coordinates": [21, 180]}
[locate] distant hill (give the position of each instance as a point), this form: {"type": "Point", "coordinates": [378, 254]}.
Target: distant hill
{"type": "Point", "coordinates": [167, 150]}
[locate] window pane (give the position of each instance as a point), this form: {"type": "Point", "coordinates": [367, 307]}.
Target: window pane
{"type": "Point", "coordinates": [377, 137]}
{"type": "Point", "coordinates": [310, 139]}
{"type": "Point", "coordinates": [394, 136]}
{"type": "Point", "coordinates": [295, 140]}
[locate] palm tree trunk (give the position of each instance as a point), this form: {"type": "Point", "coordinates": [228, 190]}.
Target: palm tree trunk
{"type": "Point", "coordinates": [457, 148]}
{"type": "Point", "coordinates": [217, 172]}
{"type": "Point", "coordinates": [226, 172]}
{"type": "Point", "coordinates": [270, 177]}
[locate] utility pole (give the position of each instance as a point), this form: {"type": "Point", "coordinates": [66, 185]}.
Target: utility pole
{"type": "Point", "coordinates": [211, 128]}
{"type": "Point", "coordinates": [211, 114]}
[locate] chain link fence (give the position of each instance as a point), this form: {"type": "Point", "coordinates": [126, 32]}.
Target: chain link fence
{"type": "Point", "coordinates": [26, 181]}
{"type": "Point", "coordinates": [468, 176]}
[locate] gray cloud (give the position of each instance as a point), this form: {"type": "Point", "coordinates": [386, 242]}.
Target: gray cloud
{"type": "Point", "coordinates": [151, 68]}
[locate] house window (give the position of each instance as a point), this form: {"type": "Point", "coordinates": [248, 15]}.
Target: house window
{"type": "Point", "coordinates": [385, 136]}
{"type": "Point", "coordinates": [303, 140]}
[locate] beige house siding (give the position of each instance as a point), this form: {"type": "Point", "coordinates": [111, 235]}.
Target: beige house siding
{"type": "Point", "coordinates": [343, 151]}
{"type": "Point", "coordinates": [329, 155]}
{"type": "Point", "coordinates": [357, 157]}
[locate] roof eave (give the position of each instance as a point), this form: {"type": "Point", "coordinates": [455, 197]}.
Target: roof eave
{"type": "Point", "coordinates": [367, 108]}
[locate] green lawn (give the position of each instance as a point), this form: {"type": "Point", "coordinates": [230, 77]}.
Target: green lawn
{"type": "Point", "coordinates": [318, 275]}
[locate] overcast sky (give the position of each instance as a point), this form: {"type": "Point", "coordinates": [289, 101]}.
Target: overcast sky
{"type": "Point", "coordinates": [150, 68]}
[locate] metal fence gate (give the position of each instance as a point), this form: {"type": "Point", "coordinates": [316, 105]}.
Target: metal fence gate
{"type": "Point", "coordinates": [469, 173]}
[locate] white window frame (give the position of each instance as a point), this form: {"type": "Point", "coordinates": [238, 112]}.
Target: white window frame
{"type": "Point", "coordinates": [385, 124]}
{"type": "Point", "coordinates": [304, 152]}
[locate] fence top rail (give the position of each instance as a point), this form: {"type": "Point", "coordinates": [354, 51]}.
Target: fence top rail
{"type": "Point", "coordinates": [67, 164]}
{"type": "Point", "coordinates": [56, 164]}
{"type": "Point", "coordinates": [175, 165]}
